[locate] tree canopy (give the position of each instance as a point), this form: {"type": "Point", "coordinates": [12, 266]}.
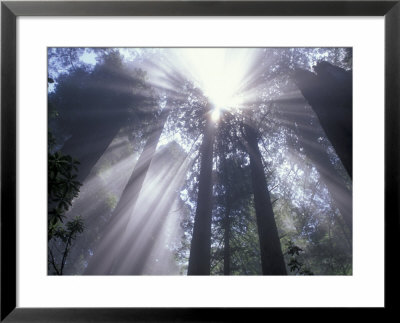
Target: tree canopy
{"type": "Point", "coordinates": [174, 161]}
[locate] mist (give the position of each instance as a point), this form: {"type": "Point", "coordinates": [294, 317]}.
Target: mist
{"type": "Point", "coordinates": [200, 161]}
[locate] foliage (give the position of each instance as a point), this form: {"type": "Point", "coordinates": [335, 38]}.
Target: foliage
{"type": "Point", "coordinates": [62, 189]}
{"type": "Point", "coordinates": [294, 264]}
{"type": "Point", "coordinates": [114, 94]}
{"type": "Point", "coordinates": [88, 106]}
{"type": "Point", "coordinates": [301, 202]}
{"type": "Point", "coordinates": [62, 185]}
{"type": "Point", "coordinates": [63, 236]}
{"type": "Point", "coordinates": [108, 97]}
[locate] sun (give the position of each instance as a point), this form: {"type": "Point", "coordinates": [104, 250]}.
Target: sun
{"type": "Point", "coordinates": [219, 72]}
{"type": "Point", "coordinates": [215, 114]}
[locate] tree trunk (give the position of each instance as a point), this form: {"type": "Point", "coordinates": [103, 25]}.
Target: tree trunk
{"type": "Point", "coordinates": [329, 92]}
{"type": "Point", "coordinates": [300, 121]}
{"type": "Point", "coordinates": [89, 142]}
{"type": "Point", "coordinates": [102, 260]}
{"type": "Point", "coordinates": [228, 202]}
{"type": "Point", "coordinates": [149, 214]}
{"type": "Point", "coordinates": [272, 261]}
{"type": "Point", "coordinates": [199, 259]}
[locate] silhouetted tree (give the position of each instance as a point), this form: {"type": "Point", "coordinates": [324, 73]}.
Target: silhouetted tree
{"type": "Point", "coordinates": [329, 92]}
{"type": "Point", "coordinates": [199, 260]}
{"type": "Point", "coordinates": [92, 107]}
{"type": "Point", "coordinates": [62, 189]}
{"type": "Point", "coordinates": [260, 191]}
{"type": "Point", "coordinates": [102, 265]}
{"type": "Point", "coordinates": [150, 213]}
{"type": "Point", "coordinates": [272, 261]}
{"type": "Point", "coordinates": [309, 137]}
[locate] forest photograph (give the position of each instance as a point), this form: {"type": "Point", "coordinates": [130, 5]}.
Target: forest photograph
{"type": "Point", "coordinates": [200, 161]}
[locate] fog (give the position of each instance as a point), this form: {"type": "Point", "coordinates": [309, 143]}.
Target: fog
{"type": "Point", "coordinates": [141, 123]}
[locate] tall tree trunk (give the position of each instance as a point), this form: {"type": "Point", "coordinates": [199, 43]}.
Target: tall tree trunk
{"type": "Point", "coordinates": [228, 202]}
{"type": "Point", "coordinates": [300, 121]}
{"type": "Point", "coordinates": [150, 213]}
{"type": "Point", "coordinates": [329, 92]}
{"type": "Point", "coordinates": [89, 142]}
{"type": "Point", "coordinates": [272, 262]}
{"type": "Point", "coordinates": [199, 259]}
{"type": "Point", "coordinates": [102, 260]}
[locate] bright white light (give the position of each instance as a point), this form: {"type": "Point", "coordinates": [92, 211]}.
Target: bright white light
{"type": "Point", "coordinates": [215, 114]}
{"type": "Point", "coordinates": [221, 73]}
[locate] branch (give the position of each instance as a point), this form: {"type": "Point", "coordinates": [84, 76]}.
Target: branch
{"type": "Point", "coordinates": [53, 262]}
{"type": "Point", "coordinates": [66, 251]}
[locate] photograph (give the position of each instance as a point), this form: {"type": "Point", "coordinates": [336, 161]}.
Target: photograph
{"type": "Point", "coordinates": [223, 161]}
{"type": "Point", "coordinates": [193, 160]}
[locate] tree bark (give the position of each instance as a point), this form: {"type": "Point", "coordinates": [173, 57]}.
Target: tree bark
{"type": "Point", "coordinates": [272, 262]}
{"type": "Point", "coordinates": [199, 259]}
{"type": "Point", "coordinates": [89, 142]}
{"type": "Point", "coordinates": [329, 92]}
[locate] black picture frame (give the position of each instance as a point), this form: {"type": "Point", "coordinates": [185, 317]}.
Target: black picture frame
{"type": "Point", "coordinates": [10, 10]}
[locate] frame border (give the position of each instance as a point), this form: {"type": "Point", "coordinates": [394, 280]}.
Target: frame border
{"type": "Point", "coordinates": [10, 10]}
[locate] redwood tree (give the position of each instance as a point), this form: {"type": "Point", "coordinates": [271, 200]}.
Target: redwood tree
{"type": "Point", "coordinates": [110, 244]}
{"type": "Point", "coordinates": [199, 260]}
{"type": "Point", "coordinates": [329, 92]}
{"type": "Point", "coordinates": [272, 261]}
